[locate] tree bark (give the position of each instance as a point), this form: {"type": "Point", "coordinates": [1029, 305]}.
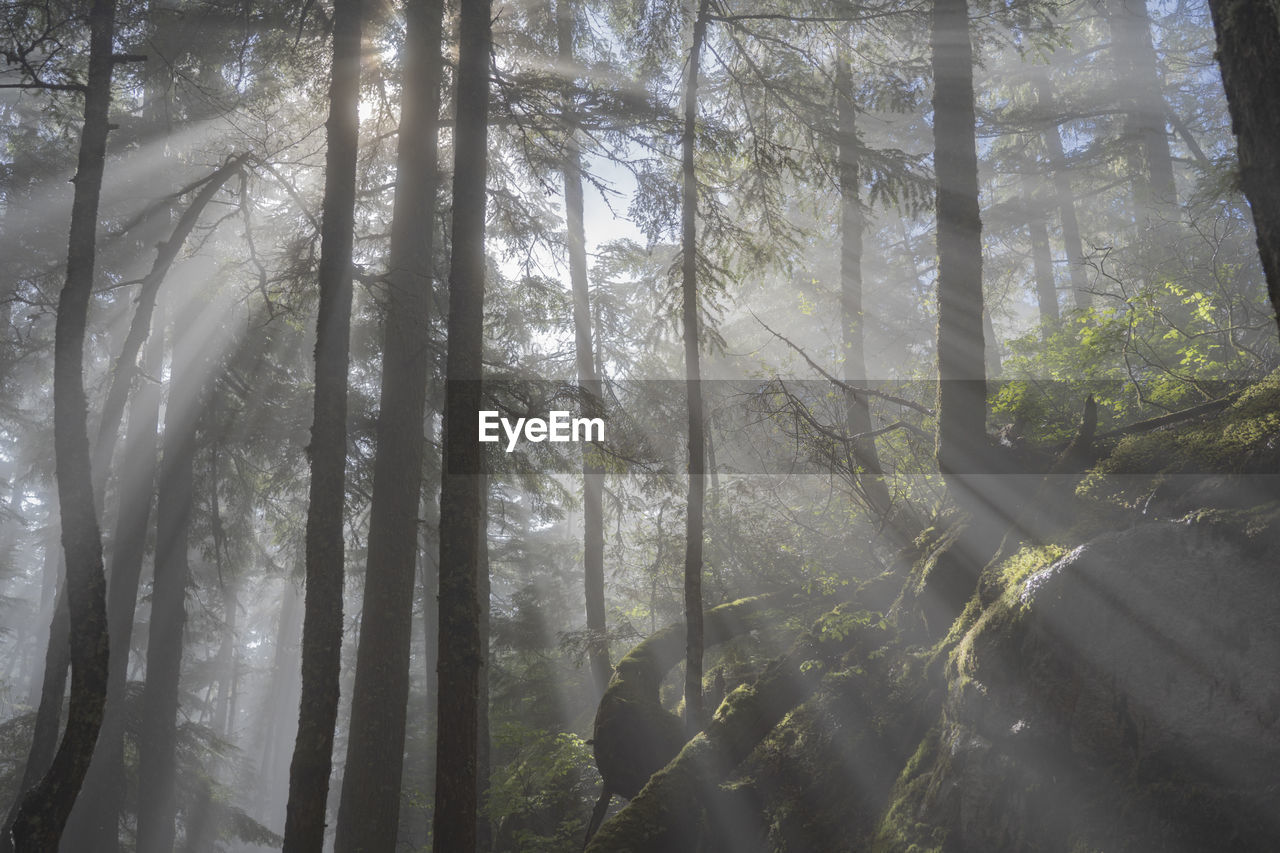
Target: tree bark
{"type": "Point", "coordinates": [46, 807]}
{"type": "Point", "coordinates": [1062, 188]}
{"type": "Point", "coordinates": [369, 812]}
{"type": "Point", "coordinates": [96, 819]}
{"type": "Point", "coordinates": [1248, 33]}
{"type": "Point", "coordinates": [853, 334]}
{"type": "Point", "coordinates": [991, 347]}
{"type": "Point", "coordinates": [961, 368]}
{"type": "Point", "coordinates": [462, 480]}
{"type": "Point", "coordinates": [275, 718]}
{"type": "Point", "coordinates": [175, 502]}
{"type": "Point", "coordinates": [53, 689]}
{"type": "Point", "coordinates": [585, 360]}
{"type": "Point", "coordinates": [322, 614]}
{"type": "Point", "coordinates": [484, 734]}
{"type": "Point", "coordinates": [1138, 72]}
{"type": "Point", "coordinates": [1042, 264]}
{"type": "Point", "coordinates": [693, 382]}
{"type": "Point", "coordinates": [126, 367]}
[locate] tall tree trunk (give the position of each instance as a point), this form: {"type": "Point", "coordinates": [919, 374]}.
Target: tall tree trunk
{"type": "Point", "coordinates": [588, 377]}
{"type": "Point", "coordinates": [276, 715]}
{"type": "Point", "coordinates": [369, 812]}
{"type": "Point", "coordinates": [51, 582]}
{"type": "Point", "coordinates": [852, 318]}
{"type": "Point", "coordinates": [105, 792]}
{"type": "Point", "coordinates": [175, 502]}
{"type": "Point", "coordinates": [1145, 123]}
{"type": "Point", "coordinates": [96, 819]}
{"type": "Point", "coordinates": [227, 660]}
{"type": "Point", "coordinates": [430, 568]}
{"type": "Point", "coordinates": [961, 367]}
{"type": "Point", "coordinates": [1042, 265]}
{"type": "Point", "coordinates": [693, 382]}
{"type": "Point", "coordinates": [322, 616]}
{"type": "Point", "coordinates": [462, 477]}
{"type": "Point", "coordinates": [53, 690]}
{"type": "Point", "coordinates": [484, 743]}
{"type": "Point", "coordinates": [126, 366]}
{"type": "Point", "coordinates": [1062, 187]}
{"type": "Point", "coordinates": [991, 344]}
{"type": "Point", "coordinates": [1248, 33]}
{"type": "Point", "coordinates": [223, 713]}
{"type": "Point", "coordinates": [46, 807]}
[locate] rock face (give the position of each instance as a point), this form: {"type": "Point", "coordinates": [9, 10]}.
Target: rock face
{"type": "Point", "coordinates": [1127, 698]}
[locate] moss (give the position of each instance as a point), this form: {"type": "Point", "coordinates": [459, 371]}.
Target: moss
{"type": "Point", "coordinates": [634, 735]}
{"type": "Point", "coordinates": [900, 830]}
{"type": "Point", "coordinates": [993, 623]}
{"type": "Point", "coordinates": [1242, 439]}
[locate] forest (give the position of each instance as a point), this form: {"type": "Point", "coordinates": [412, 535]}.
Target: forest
{"type": "Point", "coordinates": [721, 426]}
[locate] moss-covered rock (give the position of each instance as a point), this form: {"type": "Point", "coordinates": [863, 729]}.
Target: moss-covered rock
{"type": "Point", "coordinates": [1123, 697]}
{"type": "Point", "coordinates": [634, 736]}
{"type": "Point", "coordinates": [1231, 459]}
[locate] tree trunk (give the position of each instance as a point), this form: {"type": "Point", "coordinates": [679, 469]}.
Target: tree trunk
{"type": "Point", "coordinates": [276, 719]}
{"type": "Point", "coordinates": [126, 367]}
{"type": "Point", "coordinates": [693, 382]}
{"type": "Point", "coordinates": [588, 377]}
{"type": "Point", "coordinates": [852, 319]}
{"type": "Point", "coordinates": [175, 502]}
{"type": "Point", "coordinates": [961, 377]}
{"type": "Point", "coordinates": [223, 708]}
{"type": "Point", "coordinates": [52, 570]}
{"type": "Point", "coordinates": [95, 822]}
{"type": "Point", "coordinates": [1062, 187]}
{"type": "Point", "coordinates": [369, 812]}
{"type": "Point", "coordinates": [991, 344]}
{"type": "Point", "coordinates": [1042, 264]}
{"type": "Point", "coordinates": [223, 713]}
{"type": "Point", "coordinates": [484, 743]}
{"type": "Point", "coordinates": [46, 807]}
{"type": "Point", "coordinates": [1145, 124]}
{"type": "Point", "coordinates": [322, 616]}
{"type": "Point", "coordinates": [1248, 34]}
{"type": "Point", "coordinates": [53, 689]}
{"type": "Point", "coordinates": [462, 478]}
{"type": "Point", "coordinates": [430, 551]}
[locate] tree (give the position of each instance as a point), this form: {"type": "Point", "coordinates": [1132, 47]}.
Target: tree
{"type": "Point", "coordinates": [584, 359]}
{"type": "Point", "coordinates": [368, 816]}
{"type": "Point", "coordinates": [852, 320]}
{"type": "Point", "coordinates": [1248, 33]}
{"type": "Point", "coordinates": [126, 368]}
{"type": "Point", "coordinates": [1062, 188]}
{"type": "Point", "coordinates": [96, 819]}
{"type": "Point", "coordinates": [693, 379]}
{"type": "Point", "coordinates": [1145, 110]}
{"type": "Point", "coordinates": [462, 523]}
{"type": "Point", "coordinates": [45, 808]}
{"type": "Point", "coordinates": [1042, 262]}
{"type": "Point", "coordinates": [322, 617]}
{"type": "Point", "coordinates": [175, 503]}
{"type": "Point", "coordinates": [961, 369]}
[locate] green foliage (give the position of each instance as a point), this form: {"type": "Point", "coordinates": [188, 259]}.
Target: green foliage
{"type": "Point", "coordinates": [1237, 441]}
{"type": "Point", "coordinates": [541, 796]}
